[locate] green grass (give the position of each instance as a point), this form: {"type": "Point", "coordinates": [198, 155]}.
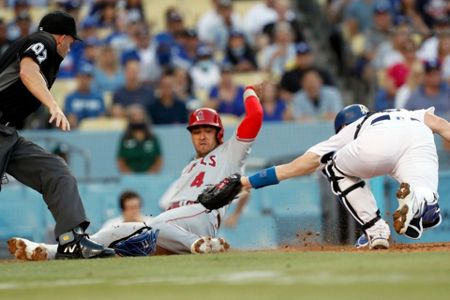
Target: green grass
{"type": "Point", "coordinates": [233, 276]}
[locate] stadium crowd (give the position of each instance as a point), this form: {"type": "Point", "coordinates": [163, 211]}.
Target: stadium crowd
{"type": "Point", "coordinates": [384, 53]}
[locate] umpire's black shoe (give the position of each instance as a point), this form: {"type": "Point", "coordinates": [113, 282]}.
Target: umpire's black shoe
{"type": "Point", "coordinates": [76, 244]}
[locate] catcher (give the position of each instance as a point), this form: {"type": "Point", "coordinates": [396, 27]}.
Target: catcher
{"type": "Point", "coordinates": [187, 226]}
{"type": "Point", "coordinates": [398, 143]}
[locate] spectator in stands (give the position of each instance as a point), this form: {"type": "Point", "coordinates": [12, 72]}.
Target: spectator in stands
{"type": "Point", "coordinates": [275, 57]}
{"type": "Point", "coordinates": [226, 97]}
{"type": "Point", "coordinates": [433, 92]}
{"type": "Point", "coordinates": [408, 9]}
{"type": "Point", "coordinates": [429, 48]}
{"type": "Point", "coordinates": [72, 7]}
{"type": "Point", "coordinates": [205, 73]}
{"type": "Point", "coordinates": [21, 10]}
{"type": "Point", "coordinates": [304, 60]}
{"type": "Point", "coordinates": [135, 10]}
{"type": "Point", "coordinates": [316, 101]}
{"type": "Point", "coordinates": [385, 96]}
{"type": "Point", "coordinates": [130, 204]}
{"type": "Point", "coordinates": [444, 55]}
{"type": "Point", "coordinates": [239, 54]}
{"type": "Point", "coordinates": [415, 77]}
{"type": "Point", "coordinates": [4, 42]}
{"type": "Point", "coordinates": [275, 109]}
{"type": "Point", "coordinates": [90, 51]}
{"type": "Point", "coordinates": [83, 102]}
{"type": "Point", "coordinates": [183, 87]}
{"type": "Point", "coordinates": [190, 45]}
{"type": "Point", "coordinates": [132, 92]}
{"type": "Point", "coordinates": [389, 53]}
{"type": "Point", "coordinates": [284, 14]}
{"type": "Point", "coordinates": [169, 51]}
{"type": "Point", "coordinates": [379, 32]}
{"type": "Point", "coordinates": [105, 13]}
{"type": "Point", "coordinates": [150, 70]}
{"type": "Point", "coordinates": [258, 16]}
{"type": "Point", "coordinates": [120, 36]}
{"type": "Point", "coordinates": [108, 75]}
{"type": "Point", "coordinates": [399, 72]}
{"type": "Point", "coordinates": [24, 24]}
{"type": "Point", "coordinates": [139, 149]}
{"type": "Point", "coordinates": [358, 16]}
{"type": "Point", "coordinates": [215, 25]}
{"type": "Point", "coordinates": [167, 108]}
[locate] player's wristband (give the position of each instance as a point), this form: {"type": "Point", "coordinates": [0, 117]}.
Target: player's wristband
{"type": "Point", "coordinates": [264, 178]}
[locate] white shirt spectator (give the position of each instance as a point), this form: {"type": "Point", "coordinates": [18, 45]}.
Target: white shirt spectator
{"type": "Point", "coordinates": [257, 17]}
{"type": "Point", "coordinates": [278, 64]}
{"type": "Point", "coordinates": [205, 74]}
{"type": "Point", "coordinates": [211, 28]}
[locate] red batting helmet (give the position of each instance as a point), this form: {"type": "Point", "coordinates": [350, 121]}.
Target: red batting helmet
{"type": "Point", "coordinates": [208, 117]}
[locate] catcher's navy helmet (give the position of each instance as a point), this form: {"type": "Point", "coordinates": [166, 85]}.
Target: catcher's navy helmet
{"type": "Point", "coordinates": [209, 117]}
{"type": "Point", "coordinates": [349, 114]}
{"type": "Point", "coordinates": [142, 243]}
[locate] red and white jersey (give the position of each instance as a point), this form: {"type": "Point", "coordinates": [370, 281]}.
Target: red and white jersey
{"type": "Point", "coordinates": [385, 119]}
{"type": "Point", "coordinates": [223, 161]}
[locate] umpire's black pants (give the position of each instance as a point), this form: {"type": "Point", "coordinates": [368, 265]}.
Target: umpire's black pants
{"type": "Point", "coordinates": [46, 173]}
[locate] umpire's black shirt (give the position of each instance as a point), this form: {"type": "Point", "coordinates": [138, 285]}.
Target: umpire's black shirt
{"type": "Point", "coordinates": [16, 102]}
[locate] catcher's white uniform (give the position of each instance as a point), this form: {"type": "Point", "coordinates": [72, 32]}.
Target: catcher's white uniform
{"type": "Point", "coordinates": [395, 143]}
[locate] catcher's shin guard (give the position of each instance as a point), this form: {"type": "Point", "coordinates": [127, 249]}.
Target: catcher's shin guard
{"type": "Point", "coordinates": [358, 200]}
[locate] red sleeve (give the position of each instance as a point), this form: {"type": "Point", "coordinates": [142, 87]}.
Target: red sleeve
{"type": "Point", "coordinates": [252, 122]}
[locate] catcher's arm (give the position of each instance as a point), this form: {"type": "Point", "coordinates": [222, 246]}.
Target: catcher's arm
{"type": "Point", "coordinates": [302, 165]}
{"type": "Point", "coordinates": [438, 125]}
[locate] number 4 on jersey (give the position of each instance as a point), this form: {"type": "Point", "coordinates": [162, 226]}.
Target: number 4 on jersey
{"type": "Point", "coordinates": [198, 181]}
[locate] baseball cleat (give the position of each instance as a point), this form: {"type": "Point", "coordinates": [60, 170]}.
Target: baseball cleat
{"type": "Point", "coordinates": [75, 244]}
{"type": "Point", "coordinates": [409, 207]}
{"type": "Point", "coordinates": [430, 218]}
{"type": "Point", "coordinates": [362, 242]}
{"type": "Point", "coordinates": [378, 235]}
{"type": "Point", "coordinates": [207, 244]}
{"type": "Point", "coordinates": [24, 249]}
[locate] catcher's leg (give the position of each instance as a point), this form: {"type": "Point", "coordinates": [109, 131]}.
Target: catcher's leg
{"type": "Point", "coordinates": [189, 229]}
{"type": "Point", "coordinates": [359, 201]}
{"type": "Point", "coordinates": [417, 171]}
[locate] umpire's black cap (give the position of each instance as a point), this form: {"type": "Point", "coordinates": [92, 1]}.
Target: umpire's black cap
{"type": "Point", "coordinates": [59, 22]}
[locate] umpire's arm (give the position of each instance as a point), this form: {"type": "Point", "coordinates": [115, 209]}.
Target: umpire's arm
{"type": "Point", "coordinates": [33, 80]}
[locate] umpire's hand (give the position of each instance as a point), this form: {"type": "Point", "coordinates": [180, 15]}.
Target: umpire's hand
{"type": "Point", "coordinates": [57, 115]}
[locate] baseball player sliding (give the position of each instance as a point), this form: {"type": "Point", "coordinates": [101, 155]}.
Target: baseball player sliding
{"type": "Point", "coordinates": [187, 226]}
{"type": "Point", "coordinates": [398, 143]}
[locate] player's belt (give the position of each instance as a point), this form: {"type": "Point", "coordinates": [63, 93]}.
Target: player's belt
{"type": "Point", "coordinates": [386, 117]}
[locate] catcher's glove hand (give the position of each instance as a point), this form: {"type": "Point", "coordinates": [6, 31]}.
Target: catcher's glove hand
{"type": "Point", "coordinates": [221, 194]}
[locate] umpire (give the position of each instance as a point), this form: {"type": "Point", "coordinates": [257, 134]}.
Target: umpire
{"type": "Point", "coordinates": [27, 71]}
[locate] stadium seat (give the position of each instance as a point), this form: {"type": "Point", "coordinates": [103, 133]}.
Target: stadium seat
{"type": "Point", "coordinates": [103, 123]}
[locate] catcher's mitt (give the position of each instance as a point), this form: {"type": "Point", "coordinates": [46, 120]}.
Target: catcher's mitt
{"type": "Point", "coordinates": [221, 194]}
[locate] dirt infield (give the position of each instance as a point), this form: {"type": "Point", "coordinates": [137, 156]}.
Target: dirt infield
{"type": "Point", "coordinates": [418, 247]}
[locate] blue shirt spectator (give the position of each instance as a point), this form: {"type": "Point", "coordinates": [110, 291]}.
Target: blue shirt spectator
{"type": "Point", "coordinates": [316, 101]}
{"type": "Point", "coordinates": [274, 112]}
{"type": "Point", "coordinates": [132, 92]}
{"type": "Point", "coordinates": [108, 76]}
{"type": "Point", "coordinates": [232, 104]}
{"type": "Point", "coordinates": [83, 102]}
{"type": "Point", "coordinates": [167, 109]}
{"type": "Point", "coordinates": [433, 92]}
